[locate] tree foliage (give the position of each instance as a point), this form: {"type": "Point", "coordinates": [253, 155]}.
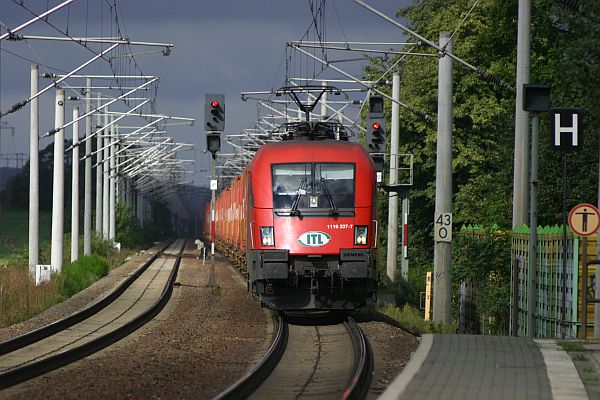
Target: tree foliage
{"type": "Point", "coordinates": [564, 48]}
{"type": "Point", "coordinates": [480, 259]}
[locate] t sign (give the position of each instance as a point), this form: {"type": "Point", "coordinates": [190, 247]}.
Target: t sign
{"type": "Point", "coordinates": [566, 128]}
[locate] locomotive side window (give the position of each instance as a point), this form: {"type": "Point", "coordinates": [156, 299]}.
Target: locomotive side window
{"type": "Point", "coordinates": [313, 187]}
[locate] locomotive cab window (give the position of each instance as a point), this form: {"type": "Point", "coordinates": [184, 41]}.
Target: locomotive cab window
{"type": "Point", "coordinates": [313, 188]}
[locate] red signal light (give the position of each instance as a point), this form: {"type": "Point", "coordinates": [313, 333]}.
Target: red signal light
{"type": "Point", "coordinates": [214, 104]}
{"type": "Point", "coordinates": [376, 125]}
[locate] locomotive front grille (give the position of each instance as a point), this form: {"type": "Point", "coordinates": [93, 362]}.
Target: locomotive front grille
{"type": "Point", "coordinates": [305, 265]}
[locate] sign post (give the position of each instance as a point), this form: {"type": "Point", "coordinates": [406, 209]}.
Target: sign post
{"type": "Point", "coordinates": [566, 132]}
{"type": "Point", "coordinates": [584, 220]}
{"type": "Point", "coordinates": [428, 297]}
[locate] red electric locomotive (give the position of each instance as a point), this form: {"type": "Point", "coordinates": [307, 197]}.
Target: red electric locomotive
{"type": "Point", "coordinates": [311, 223]}
{"type": "Point", "coordinates": [304, 214]}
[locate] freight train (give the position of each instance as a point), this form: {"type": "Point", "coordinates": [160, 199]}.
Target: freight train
{"type": "Point", "coordinates": [302, 221]}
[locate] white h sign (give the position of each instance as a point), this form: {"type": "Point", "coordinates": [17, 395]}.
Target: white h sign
{"type": "Point", "coordinates": [566, 137]}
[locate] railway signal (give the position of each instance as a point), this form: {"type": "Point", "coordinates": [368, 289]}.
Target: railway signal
{"type": "Point", "coordinates": [376, 137]}
{"type": "Point", "coordinates": [214, 119]}
{"type": "Point", "coordinates": [214, 112]}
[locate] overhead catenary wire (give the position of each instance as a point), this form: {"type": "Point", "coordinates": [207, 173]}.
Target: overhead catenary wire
{"type": "Point", "coordinates": [485, 75]}
{"type": "Point", "coordinates": [37, 18]}
{"type": "Point", "coordinates": [411, 109]}
{"type": "Point", "coordinates": [461, 24]}
{"type": "Point", "coordinates": [116, 27]}
{"type": "Point", "coordinates": [47, 67]}
{"type": "Point", "coordinates": [22, 103]}
{"type": "Point", "coordinates": [113, 61]}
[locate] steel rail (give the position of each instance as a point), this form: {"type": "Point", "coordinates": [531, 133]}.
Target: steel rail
{"type": "Point", "coordinates": [248, 383]}
{"type": "Point", "coordinates": [358, 386]}
{"type": "Point", "coordinates": [32, 370]}
{"type": "Point", "coordinates": [62, 324]}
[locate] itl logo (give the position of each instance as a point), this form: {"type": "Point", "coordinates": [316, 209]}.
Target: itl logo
{"type": "Point", "coordinates": [314, 239]}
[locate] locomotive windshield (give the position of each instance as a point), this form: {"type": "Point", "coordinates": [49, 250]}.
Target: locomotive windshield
{"type": "Point", "coordinates": [307, 187]}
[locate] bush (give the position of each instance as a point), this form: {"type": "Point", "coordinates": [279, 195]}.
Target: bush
{"type": "Point", "coordinates": [103, 248]}
{"type": "Point", "coordinates": [82, 273]}
{"type": "Point", "coordinates": [129, 232]}
{"type": "Point", "coordinates": [411, 319]}
{"type": "Point", "coordinates": [481, 258]}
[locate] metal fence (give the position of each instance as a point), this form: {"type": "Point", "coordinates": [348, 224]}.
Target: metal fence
{"type": "Point", "coordinates": [550, 282]}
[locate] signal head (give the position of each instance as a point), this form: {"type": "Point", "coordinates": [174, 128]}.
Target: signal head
{"type": "Point", "coordinates": [214, 112]}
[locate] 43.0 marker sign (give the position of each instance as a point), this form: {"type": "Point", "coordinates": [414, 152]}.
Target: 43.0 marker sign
{"type": "Point", "coordinates": [442, 227]}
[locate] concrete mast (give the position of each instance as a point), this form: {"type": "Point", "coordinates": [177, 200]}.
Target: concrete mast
{"type": "Point", "coordinates": [75, 189]}
{"type": "Point", "coordinates": [34, 174]}
{"type": "Point", "coordinates": [521, 161]}
{"type": "Point", "coordinates": [58, 184]}
{"type": "Point", "coordinates": [442, 258]}
{"type": "Point", "coordinates": [392, 247]}
{"type": "Point", "coordinates": [87, 208]}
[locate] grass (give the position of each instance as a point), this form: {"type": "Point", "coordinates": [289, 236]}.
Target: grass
{"type": "Point", "coordinates": [20, 299]}
{"type": "Point", "coordinates": [82, 273]}
{"type": "Point", "coordinates": [570, 346]}
{"type": "Point", "coordinates": [14, 230]}
{"type": "Point", "coordinates": [411, 319]}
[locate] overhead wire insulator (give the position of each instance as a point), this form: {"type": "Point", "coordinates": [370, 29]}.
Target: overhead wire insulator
{"type": "Point", "coordinates": [488, 77]}
{"type": "Point", "coordinates": [15, 107]}
{"type": "Point", "coordinates": [13, 37]}
{"type": "Point", "coordinates": [52, 132]}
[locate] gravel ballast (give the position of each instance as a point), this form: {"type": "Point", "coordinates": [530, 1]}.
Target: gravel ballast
{"type": "Point", "coordinates": [202, 342]}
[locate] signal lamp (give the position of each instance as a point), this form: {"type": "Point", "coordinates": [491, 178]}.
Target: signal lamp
{"type": "Point", "coordinates": [214, 104]}
{"type": "Point", "coordinates": [376, 125]}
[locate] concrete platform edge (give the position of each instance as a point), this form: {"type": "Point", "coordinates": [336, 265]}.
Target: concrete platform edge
{"type": "Point", "coordinates": [395, 389]}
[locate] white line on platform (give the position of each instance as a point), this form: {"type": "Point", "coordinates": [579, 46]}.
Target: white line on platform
{"type": "Point", "coordinates": [564, 379]}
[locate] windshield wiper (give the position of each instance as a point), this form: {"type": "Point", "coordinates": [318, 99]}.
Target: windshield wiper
{"type": "Point", "coordinates": [333, 210]}
{"type": "Point", "coordinates": [301, 188]}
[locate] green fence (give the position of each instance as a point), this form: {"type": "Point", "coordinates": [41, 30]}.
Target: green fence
{"type": "Point", "coordinates": [549, 280]}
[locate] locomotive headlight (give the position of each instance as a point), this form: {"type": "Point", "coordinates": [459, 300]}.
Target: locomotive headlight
{"type": "Point", "coordinates": [266, 236]}
{"type": "Point", "coordinates": [360, 234]}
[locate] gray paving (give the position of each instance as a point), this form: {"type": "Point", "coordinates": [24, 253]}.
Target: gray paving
{"type": "Point", "coordinates": [466, 367]}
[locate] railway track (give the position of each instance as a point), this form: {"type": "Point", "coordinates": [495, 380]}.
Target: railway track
{"type": "Point", "coordinates": [136, 301]}
{"type": "Point", "coordinates": [316, 361]}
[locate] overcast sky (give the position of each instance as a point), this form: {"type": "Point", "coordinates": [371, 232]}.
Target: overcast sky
{"type": "Point", "coordinates": [221, 46]}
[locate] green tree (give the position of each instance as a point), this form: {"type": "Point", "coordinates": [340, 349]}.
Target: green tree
{"type": "Point", "coordinates": [564, 50]}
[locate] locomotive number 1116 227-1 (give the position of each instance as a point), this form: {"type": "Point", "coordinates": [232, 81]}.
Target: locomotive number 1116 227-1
{"type": "Point", "coordinates": [340, 226]}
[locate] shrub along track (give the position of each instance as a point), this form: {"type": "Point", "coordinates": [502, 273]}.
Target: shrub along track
{"type": "Point", "coordinates": [131, 305]}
